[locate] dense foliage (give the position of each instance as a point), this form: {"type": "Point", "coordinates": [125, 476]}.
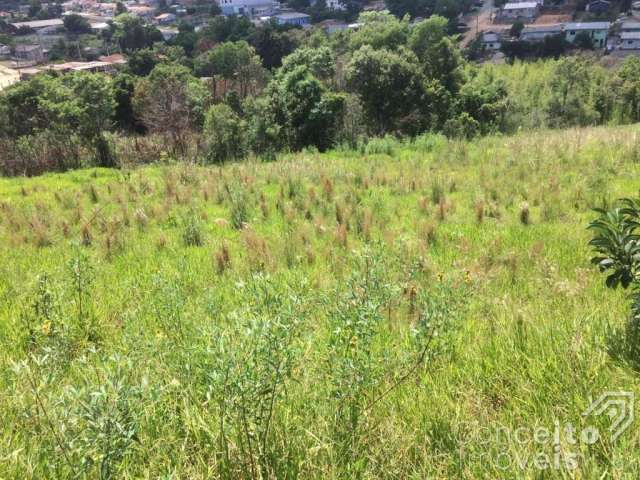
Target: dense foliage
{"type": "Point", "coordinates": [291, 89]}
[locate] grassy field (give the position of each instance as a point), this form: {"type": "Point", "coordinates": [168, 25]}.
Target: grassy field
{"type": "Point", "coordinates": [421, 310]}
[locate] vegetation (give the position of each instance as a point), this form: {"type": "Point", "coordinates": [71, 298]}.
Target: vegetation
{"type": "Point", "coordinates": [352, 314]}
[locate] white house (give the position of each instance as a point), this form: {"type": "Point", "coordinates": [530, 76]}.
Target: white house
{"type": "Point", "coordinates": [491, 40]}
{"type": "Point", "coordinates": [537, 33]}
{"type": "Point", "coordinates": [293, 18]}
{"type": "Point", "coordinates": [250, 8]}
{"type": "Point", "coordinates": [630, 27]}
{"type": "Point", "coordinates": [521, 10]}
{"type": "Point", "coordinates": [630, 40]}
{"type": "Point", "coordinates": [165, 18]}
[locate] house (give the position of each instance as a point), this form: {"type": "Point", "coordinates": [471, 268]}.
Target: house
{"type": "Point", "coordinates": [537, 33]}
{"type": "Point", "coordinates": [5, 51]}
{"type": "Point", "coordinates": [168, 33]}
{"type": "Point", "coordinates": [630, 41]}
{"type": "Point", "coordinates": [333, 26]}
{"type": "Point", "coordinates": [29, 53]}
{"type": "Point", "coordinates": [141, 11]}
{"type": "Point", "coordinates": [293, 18]}
{"type": "Point", "coordinates": [165, 19]}
{"type": "Point", "coordinates": [630, 27]}
{"type": "Point", "coordinates": [520, 11]}
{"type": "Point", "coordinates": [597, 31]}
{"type": "Point", "coordinates": [331, 4]}
{"type": "Point", "coordinates": [335, 5]}
{"type": "Point", "coordinates": [99, 27]}
{"type": "Point", "coordinates": [491, 40]}
{"type": "Point", "coordinates": [598, 6]}
{"type": "Point", "coordinates": [40, 26]}
{"type": "Point", "coordinates": [250, 8]}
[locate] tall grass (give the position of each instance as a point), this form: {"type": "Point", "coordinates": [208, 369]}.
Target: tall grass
{"type": "Point", "coordinates": [376, 315]}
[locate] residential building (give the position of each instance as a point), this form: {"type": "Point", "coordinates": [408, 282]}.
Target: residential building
{"type": "Point", "coordinates": [250, 8]}
{"type": "Point", "coordinates": [142, 11]}
{"type": "Point", "coordinates": [537, 33]}
{"type": "Point", "coordinates": [5, 51]}
{"type": "Point", "coordinates": [491, 40]}
{"type": "Point", "coordinates": [333, 26]}
{"type": "Point", "coordinates": [630, 27]}
{"type": "Point", "coordinates": [293, 18]}
{"type": "Point", "coordinates": [630, 40]}
{"type": "Point", "coordinates": [40, 26]}
{"type": "Point", "coordinates": [165, 19]}
{"type": "Point", "coordinates": [597, 31]}
{"type": "Point", "coordinates": [527, 11]}
{"type": "Point", "coordinates": [168, 33]}
{"type": "Point", "coordinates": [29, 53]}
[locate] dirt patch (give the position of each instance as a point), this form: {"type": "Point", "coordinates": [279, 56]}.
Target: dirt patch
{"type": "Point", "coordinates": [549, 19]}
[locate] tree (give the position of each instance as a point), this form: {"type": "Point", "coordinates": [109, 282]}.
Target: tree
{"type": "Point", "coordinates": [132, 34]}
{"type": "Point", "coordinates": [320, 61]}
{"type": "Point", "coordinates": [236, 63]}
{"type": "Point", "coordinates": [516, 29]}
{"type": "Point", "coordinates": [186, 38]}
{"type": "Point", "coordinates": [76, 24]}
{"type": "Point", "coordinates": [299, 111]}
{"type": "Point", "coordinates": [141, 62]}
{"type": "Point", "coordinates": [484, 99]}
{"type": "Point", "coordinates": [439, 56]}
{"type": "Point", "coordinates": [123, 90]}
{"type": "Point", "coordinates": [224, 134]}
{"type": "Point", "coordinates": [272, 44]}
{"type": "Point", "coordinates": [227, 29]}
{"type": "Point", "coordinates": [570, 101]}
{"type": "Point", "coordinates": [413, 8]}
{"type": "Point", "coordinates": [626, 84]}
{"type": "Point", "coordinates": [172, 102]}
{"type": "Point", "coordinates": [388, 84]}
{"type": "Point", "coordinates": [380, 30]}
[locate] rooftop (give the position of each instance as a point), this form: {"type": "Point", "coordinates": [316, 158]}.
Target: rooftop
{"type": "Point", "coordinates": [54, 22]}
{"type": "Point", "coordinates": [542, 28]}
{"type": "Point", "coordinates": [630, 26]}
{"type": "Point", "coordinates": [630, 35]}
{"type": "Point", "coordinates": [520, 5]}
{"type": "Point", "coordinates": [287, 15]}
{"type": "Point", "coordinates": [587, 26]}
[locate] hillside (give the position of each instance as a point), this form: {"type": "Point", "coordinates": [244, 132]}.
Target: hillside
{"type": "Point", "coordinates": [408, 311]}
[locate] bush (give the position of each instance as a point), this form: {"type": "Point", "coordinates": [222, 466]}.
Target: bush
{"type": "Point", "coordinates": [224, 134]}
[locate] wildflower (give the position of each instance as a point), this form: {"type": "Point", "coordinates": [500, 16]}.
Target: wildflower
{"type": "Point", "coordinates": [467, 277]}
{"type": "Point", "coordinates": [46, 327]}
{"type": "Point", "coordinates": [440, 276]}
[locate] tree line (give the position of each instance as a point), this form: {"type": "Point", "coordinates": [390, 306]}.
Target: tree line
{"type": "Point", "coordinates": [242, 90]}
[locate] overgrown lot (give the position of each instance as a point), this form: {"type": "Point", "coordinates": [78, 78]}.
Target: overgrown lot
{"type": "Point", "coordinates": [399, 312]}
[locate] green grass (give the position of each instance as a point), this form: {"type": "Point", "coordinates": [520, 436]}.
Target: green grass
{"type": "Point", "coordinates": [268, 319]}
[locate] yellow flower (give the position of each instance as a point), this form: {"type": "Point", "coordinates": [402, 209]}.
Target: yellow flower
{"type": "Point", "coordinates": [46, 327]}
{"type": "Point", "coordinates": [467, 276]}
{"type": "Point", "coordinates": [440, 276]}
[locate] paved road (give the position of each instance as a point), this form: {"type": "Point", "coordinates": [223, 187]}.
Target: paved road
{"type": "Point", "coordinates": [478, 22]}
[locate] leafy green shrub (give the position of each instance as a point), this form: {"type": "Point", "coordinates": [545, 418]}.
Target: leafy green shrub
{"type": "Point", "coordinates": [224, 134]}
{"type": "Point", "coordinates": [616, 242]}
{"type": "Point", "coordinates": [386, 145]}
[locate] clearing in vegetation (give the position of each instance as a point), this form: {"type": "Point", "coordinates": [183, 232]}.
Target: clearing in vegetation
{"type": "Point", "coordinates": [399, 312]}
